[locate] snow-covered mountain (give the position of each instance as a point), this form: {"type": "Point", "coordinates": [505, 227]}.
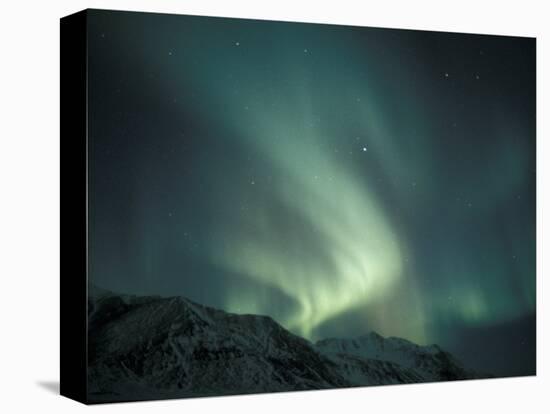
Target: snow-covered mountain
{"type": "Point", "coordinates": [398, 360]}
{"type": "Point", "coordinates": [153, 347]}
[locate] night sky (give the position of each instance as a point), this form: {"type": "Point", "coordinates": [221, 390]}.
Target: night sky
{"type": "Point", "coordinates": [339, 179]}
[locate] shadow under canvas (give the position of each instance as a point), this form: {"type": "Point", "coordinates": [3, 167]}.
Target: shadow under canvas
{"type": "Point", "coordinates": [51, 386]}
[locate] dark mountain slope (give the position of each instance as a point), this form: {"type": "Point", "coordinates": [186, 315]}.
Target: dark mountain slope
{"type": "Point", "coordinates": [153, 347]}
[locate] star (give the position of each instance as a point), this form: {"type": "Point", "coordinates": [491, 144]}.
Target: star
{"type": "Point", "coordinates": [237, 43]}
{"type": "Point", "coordinates": [446, 75]}
{"type": "Point", "coordinates": [364, 149]}
{"type": "Point", "coordinates": [305, 50]}
{"type": "Point", "coordinates": [477, 77]}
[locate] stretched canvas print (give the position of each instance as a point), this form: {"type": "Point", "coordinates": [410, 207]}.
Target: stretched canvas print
{"type": "Point", "coordinates": [257, 206]}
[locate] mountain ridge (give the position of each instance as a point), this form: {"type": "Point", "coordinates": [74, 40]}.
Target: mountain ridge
{"type": "Point", "coordinates": [151, 347]}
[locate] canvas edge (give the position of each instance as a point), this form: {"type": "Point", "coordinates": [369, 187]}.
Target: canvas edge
{"type": "Point", "coordinates": [73, 206]}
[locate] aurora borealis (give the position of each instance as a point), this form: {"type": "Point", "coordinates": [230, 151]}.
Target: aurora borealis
{"type": "Point", "coordinates": [339, 179]}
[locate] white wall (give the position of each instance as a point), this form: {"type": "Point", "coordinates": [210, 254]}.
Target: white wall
{"type": "Point", "coordinates": [29, 203]}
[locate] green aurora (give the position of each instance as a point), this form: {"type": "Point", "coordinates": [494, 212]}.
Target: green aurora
{"type": "Point", "coordinates": [338, 179]}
